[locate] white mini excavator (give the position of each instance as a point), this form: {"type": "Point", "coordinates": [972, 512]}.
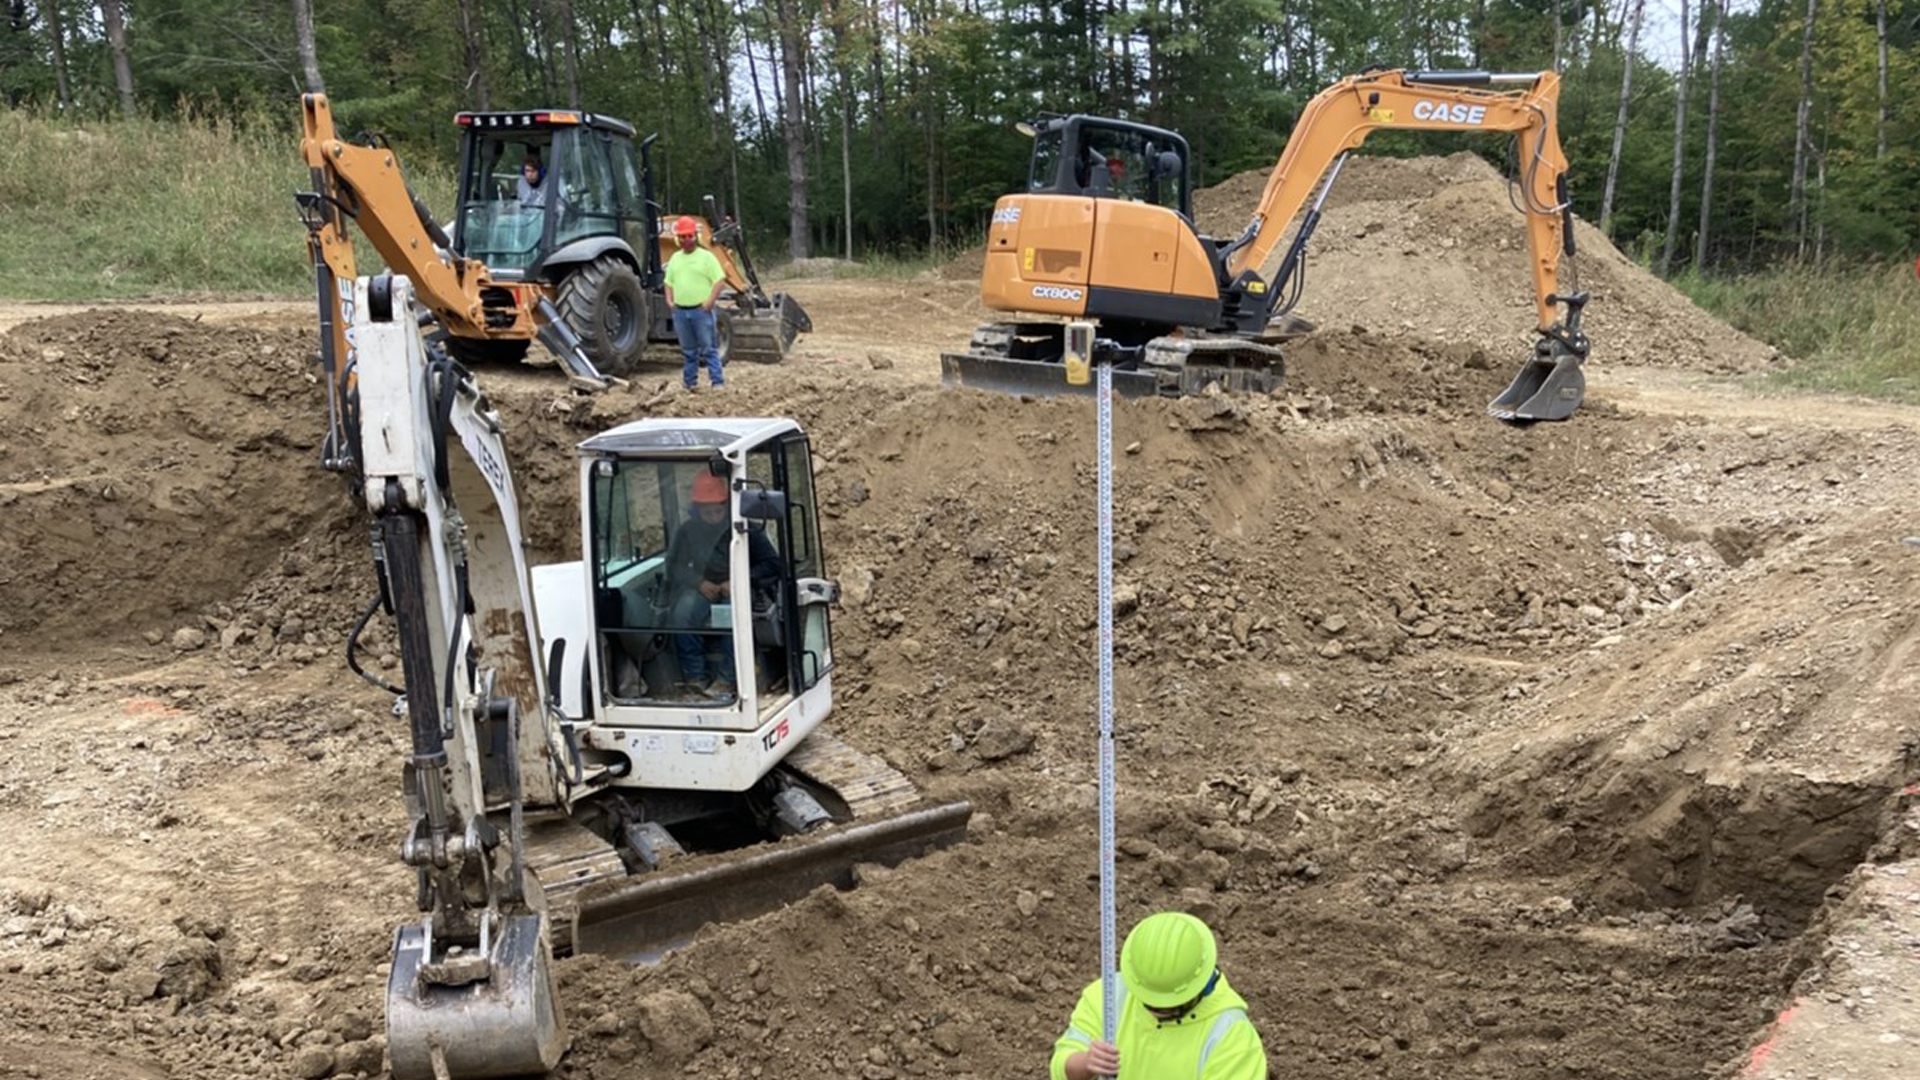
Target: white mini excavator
{"type": "Point", "coordinates": [593, 743]}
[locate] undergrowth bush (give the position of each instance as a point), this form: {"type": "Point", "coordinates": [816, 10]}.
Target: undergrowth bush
{"type": "Point", "coordinates": [109, 209]}
{"type": "Point", "coordinates": [1851, 329]}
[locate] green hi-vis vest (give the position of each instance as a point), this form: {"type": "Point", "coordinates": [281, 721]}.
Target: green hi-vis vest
{"type": "Point", "coordinates": [1215, 1041]}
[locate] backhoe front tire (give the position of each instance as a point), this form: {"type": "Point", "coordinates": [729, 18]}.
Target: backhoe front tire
{"type": "Point", "coordinates": [602, 301]}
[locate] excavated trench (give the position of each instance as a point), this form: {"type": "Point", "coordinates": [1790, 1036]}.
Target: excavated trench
{"type": "Point", "coordinates": [1490, 752]}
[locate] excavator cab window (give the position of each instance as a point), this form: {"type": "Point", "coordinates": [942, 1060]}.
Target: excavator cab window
{"type": "Point", "coordinates": [1112, 159]}
{"type": "Point", "coordinates": [661, 561]}
{"type": "Point", "coordinates": [588, 203]}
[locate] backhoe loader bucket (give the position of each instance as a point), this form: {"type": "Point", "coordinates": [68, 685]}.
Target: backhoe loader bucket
{"type": "Point", "coordinates": [635, 914]}
{"type": "Point", "coordinates": [764, 335]}
{"type": "Point", "coordinates": [479, 1017]}
{"type": "Point", "coordinates": [1549, 387]}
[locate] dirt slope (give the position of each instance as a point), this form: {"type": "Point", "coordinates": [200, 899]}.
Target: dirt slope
{"type": "Point", "coordinates": [1498, 752]}
{"type": "Point", "coordinates": [1435, 246]}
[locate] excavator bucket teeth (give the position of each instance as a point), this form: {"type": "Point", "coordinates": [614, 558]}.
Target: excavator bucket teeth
{"type": "Point", "coordinates": [500, 1021]}
{"type": "Point", "coordinates": [668, 905]}
{"type": "Point", "coordinates": [1548, 387]}
{"type": "Point", "coordinates": [766, 335]}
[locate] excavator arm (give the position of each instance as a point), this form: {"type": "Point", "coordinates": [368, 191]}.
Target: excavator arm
{"type": "Point", "coordinates": [469, 995]}
{"type": "Point", "coordinates": [1340, 118]}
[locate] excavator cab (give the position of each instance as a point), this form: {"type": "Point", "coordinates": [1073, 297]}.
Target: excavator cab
{"type": "Point", "coordinates": [690, 656]}
{"type": "Point", "coordinates": [708, 587]}
{"type": "Point", "coordinates": [1105, 158]}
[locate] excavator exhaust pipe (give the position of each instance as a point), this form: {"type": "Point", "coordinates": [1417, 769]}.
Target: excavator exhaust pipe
{"type": "Point", "coordinates": [477, 1016]}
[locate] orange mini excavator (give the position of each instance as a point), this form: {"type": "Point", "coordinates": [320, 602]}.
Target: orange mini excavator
{"type": "Point", "coordinates": [1104, 233]}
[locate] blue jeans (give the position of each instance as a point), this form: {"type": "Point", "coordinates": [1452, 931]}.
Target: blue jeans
{"type": "Point", "coordinates": [693, 611]}
{"type": "Point", "coordinates": [698, 344]}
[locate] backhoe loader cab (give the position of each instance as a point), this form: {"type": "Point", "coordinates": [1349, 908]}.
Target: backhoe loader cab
{"type": "Point", "coordinates": [588, 200]}
{"type": "Point", "coordinates": [1106, 158]}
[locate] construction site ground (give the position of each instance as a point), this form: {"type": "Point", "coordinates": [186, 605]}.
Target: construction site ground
{"type": "Point", "coordinates": [1573, 750]}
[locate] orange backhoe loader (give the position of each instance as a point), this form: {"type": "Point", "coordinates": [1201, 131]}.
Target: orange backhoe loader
{"type": "Point", "coordinates": [1104, 233]}
{"type": "Point", "coordinates": [574, 258]}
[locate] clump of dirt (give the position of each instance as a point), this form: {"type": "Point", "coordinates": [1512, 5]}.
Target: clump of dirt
{"type": "Point", "coordinates": [148, 463]}
{"type": "Point", "coordinates": [1435, 246]}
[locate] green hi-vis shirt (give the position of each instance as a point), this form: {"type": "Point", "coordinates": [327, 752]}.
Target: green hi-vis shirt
{"type": "Point", "coordinates": [1215, 1041]}
{"type": "Point", "coordinates": [691, 275]}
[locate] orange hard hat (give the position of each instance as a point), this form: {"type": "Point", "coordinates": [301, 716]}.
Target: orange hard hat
{"type": "Point", "coordinates": [708, 488]}
{"type": "Point", "coordinates": [686, 226]}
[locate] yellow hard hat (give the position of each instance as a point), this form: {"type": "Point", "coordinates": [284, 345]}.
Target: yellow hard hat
{"type": "Point", "coordinates": [1167, 959]}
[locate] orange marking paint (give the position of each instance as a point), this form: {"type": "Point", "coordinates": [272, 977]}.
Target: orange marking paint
{"type": "Point", "coordinates": [1765, 1049]}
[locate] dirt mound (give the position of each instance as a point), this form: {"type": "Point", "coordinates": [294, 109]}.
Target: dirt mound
{"type": "Point", "coordinates": [148, 464]}
{"type": "Point", "coordinates": [1433, 245]}
{"type": "Point", "coordinates": [1438, 721]}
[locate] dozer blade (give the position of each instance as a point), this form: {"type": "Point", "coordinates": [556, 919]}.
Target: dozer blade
{"type": "Point", "coordinates": [1046, 378]}
{"type": "Point", "coordinates": [1548, 387]}
{"type": "Point", "coordinates": [480, 1017]}
{"type": "Point", "coordinates": [1040, 378]}
{"type": "Point", "coordinates": [765, 336]}
{"type": "Point", "coordinates": [667, 905]}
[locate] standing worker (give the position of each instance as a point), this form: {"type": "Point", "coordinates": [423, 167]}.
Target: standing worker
{"type": "Point", "coordinates": [1178, 1016]}
{"type": "Point", "coordinates": [694, 279]}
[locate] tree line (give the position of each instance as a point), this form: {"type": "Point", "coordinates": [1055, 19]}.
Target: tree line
{"type": "Point", "coordinates": [1716, 134]}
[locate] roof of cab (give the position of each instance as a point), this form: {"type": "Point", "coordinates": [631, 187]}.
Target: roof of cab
{"type": "Point", "coordinates": [678, 436]}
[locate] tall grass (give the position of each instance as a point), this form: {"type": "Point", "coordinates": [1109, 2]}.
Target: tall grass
{"type": "Point", "coordinates": [1851, 329]}
{"type": "Point", "coordinates": [115, 209]}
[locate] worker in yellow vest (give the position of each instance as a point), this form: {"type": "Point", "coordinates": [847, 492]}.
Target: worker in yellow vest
{"type": "Point", "coordinates": [1178, 1018]}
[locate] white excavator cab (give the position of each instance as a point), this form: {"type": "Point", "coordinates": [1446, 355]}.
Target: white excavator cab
{"type": "Point", "coordinates": [710, 655]}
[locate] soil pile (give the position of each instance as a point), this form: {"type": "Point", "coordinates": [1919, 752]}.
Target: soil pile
{"type": "Point", "coordinates": [147, 463]}
{"type": "Point", "coordinates": [1439, 722]}
{"type": "Point", "coordinates": [1435, 246]}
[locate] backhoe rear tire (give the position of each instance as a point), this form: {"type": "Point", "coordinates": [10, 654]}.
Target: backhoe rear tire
{"type": "Point", "coordinates": [603, 302]}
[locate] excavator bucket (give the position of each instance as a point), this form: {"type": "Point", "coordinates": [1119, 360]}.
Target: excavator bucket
{"type": "Point", "coordinates": [667, 905]}
{"type": "Point", "coordinates": [764, 335]}
{"type": "Point", "coordinates": [471, 1017]}
{"type": "Point", "coordinates": [1549, 387]}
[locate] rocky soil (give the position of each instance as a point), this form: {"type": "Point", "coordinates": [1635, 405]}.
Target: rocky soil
{"type": "Point", "coordinates": [1576, 749]}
